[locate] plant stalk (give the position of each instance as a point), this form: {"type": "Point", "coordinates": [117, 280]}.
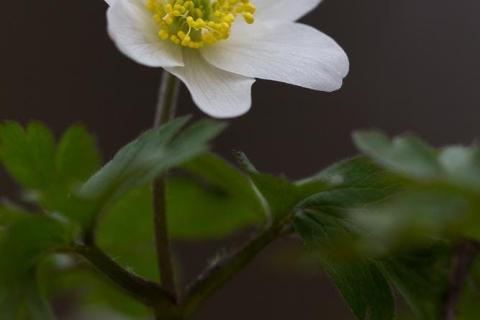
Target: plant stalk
{"type": "Point", "coordinates": [165, 111]}
{"type": "Point", "coordinates": [228, 265]}
{"type": "Point", "coordinates": [144, 291]}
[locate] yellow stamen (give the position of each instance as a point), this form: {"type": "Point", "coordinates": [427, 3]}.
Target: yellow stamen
{"type": "Point", "coordinates": [196, 23]}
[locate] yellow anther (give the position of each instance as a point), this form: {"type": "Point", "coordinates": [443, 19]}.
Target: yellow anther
{"type": "Point", "coordinates": [194, 24]}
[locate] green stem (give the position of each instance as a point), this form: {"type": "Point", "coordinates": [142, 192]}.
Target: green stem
{"type": "Point", "coordinates": [216, 275]}
{"type": "Point", "coordinates": [167, 101]}
{"type": "Point", "coordinates": [144, 291]}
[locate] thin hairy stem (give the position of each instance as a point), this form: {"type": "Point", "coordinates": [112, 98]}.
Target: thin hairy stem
{"type": "Point", "coordinates": [165, 112]}
{"type": "Point", "coordinates": [228, 265]}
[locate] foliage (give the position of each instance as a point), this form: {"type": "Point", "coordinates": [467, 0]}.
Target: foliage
{"type": "Point", "coordinates": [379, 223]}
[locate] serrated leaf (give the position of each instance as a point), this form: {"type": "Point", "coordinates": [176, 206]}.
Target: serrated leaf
{"type": "Point", "coordinates": [28, 154]}
{"type": "Point", "coordinates": [77, 157]}
{"type": "Point", "coordinates": [353, 182]}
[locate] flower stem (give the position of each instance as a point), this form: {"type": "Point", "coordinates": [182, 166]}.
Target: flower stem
{"type": "Point", "coordinates": [167, 99]}
{"type": "Point", "coordinates": [167, 102]}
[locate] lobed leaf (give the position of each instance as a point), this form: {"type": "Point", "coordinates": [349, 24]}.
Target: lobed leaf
{"type": "Point", "coordinates": [141, 161]}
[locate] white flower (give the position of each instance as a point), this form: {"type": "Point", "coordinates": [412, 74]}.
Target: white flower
{"type": "Point", "coordinates": [218, 47]}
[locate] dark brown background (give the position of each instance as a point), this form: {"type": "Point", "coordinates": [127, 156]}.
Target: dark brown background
{"type": "Point", "coordinates": [415, 67]}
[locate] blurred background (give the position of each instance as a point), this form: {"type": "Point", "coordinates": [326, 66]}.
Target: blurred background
{"type": "Point", "coordinates": [414, 67]}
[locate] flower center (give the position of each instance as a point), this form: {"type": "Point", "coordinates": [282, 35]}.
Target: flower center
{"type": "Point", "coordinates": [196, 23]}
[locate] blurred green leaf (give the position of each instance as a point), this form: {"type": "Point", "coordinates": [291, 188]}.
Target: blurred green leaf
{"type": "Point", "coordinates": [415, 219]}
{"type": "Point", "coordinates": [90, 290]}
{"type": "Point", "coordinates": [411, 157]}
{"type": "Point", "coordinates": [77, 157]}
{"type": "Point", "coordinates": [469, 308]}
{"type": "Point", "coordinates": [461, 166]}
{"type": "Point", "coordinates": [28, 154]}
{"type": "Point", "coordinates": [125, 232]}
{"type": "Point", "coordinates": [49, 173]}
{"type": "Point", "coordinates": [421, 278]}
{"type": "Point", "coordinates": [406, 155]}
{"type": "Point", "coordinates": [22, 245]}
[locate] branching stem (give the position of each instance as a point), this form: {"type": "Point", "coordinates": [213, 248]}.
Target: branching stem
{"type": "Point", "coordinates": [167, 102]}
{"type": "Point", "coordinates": [228, 265]}
{"type": "Point", "coordinates": [142, 290]}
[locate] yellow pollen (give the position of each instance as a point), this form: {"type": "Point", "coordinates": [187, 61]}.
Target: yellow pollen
{"type": "Point", "coordinates": [196, 23]}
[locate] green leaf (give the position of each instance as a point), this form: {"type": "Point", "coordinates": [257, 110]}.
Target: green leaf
{"type": "Point", "coordinates": [91, 290]}
{"type": "Point", "coordinates": [77, 157]}
{"type": "Point", "coordinates": [208, 199]}
{"type": "Point", "coordinates": [9, 214]}
{"type": "Point", "coordinates": [280, 194]}
{"type": "Point", "coordinates": [461, 166]}
{"type": "Point", "coordinates": [126, 233]}
{"type": "Point", "coordinates": [28, 154]}
{"type": "Point", "coordinates": [349, 182]}
{"type": "Point", "coordinates": [406, 155]}
{"type": "Point", "coordinates": [352, 182]}
{"type": "Point", "coordinates": [322, 221]}
{"type": "Point", "coordinates": [364, 288]}
{"type": "Point", "coordinates": [421, 278]}
{"type": "Point", "coordinates": [414, 219]}
{"type": "Point", "coordinates": [212, 200]}
{"type": "Point", "coordinates": [141, 161]}
{"type": "Point", "coordinates": [23, 244]}
{"type": "Point", "coordinates": [50, 174]}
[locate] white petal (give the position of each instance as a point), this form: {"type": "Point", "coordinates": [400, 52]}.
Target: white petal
{"type": "Point", "coordinates": [110, 2]}
{"type": "Point", "coordinates": [132, 29]}
{"type": "Point", "coordinates": [287, 52]}
{"type": "Point", "coordinates": [218, 93]}
{"type": "Point", "coordinates": [283, 9]}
